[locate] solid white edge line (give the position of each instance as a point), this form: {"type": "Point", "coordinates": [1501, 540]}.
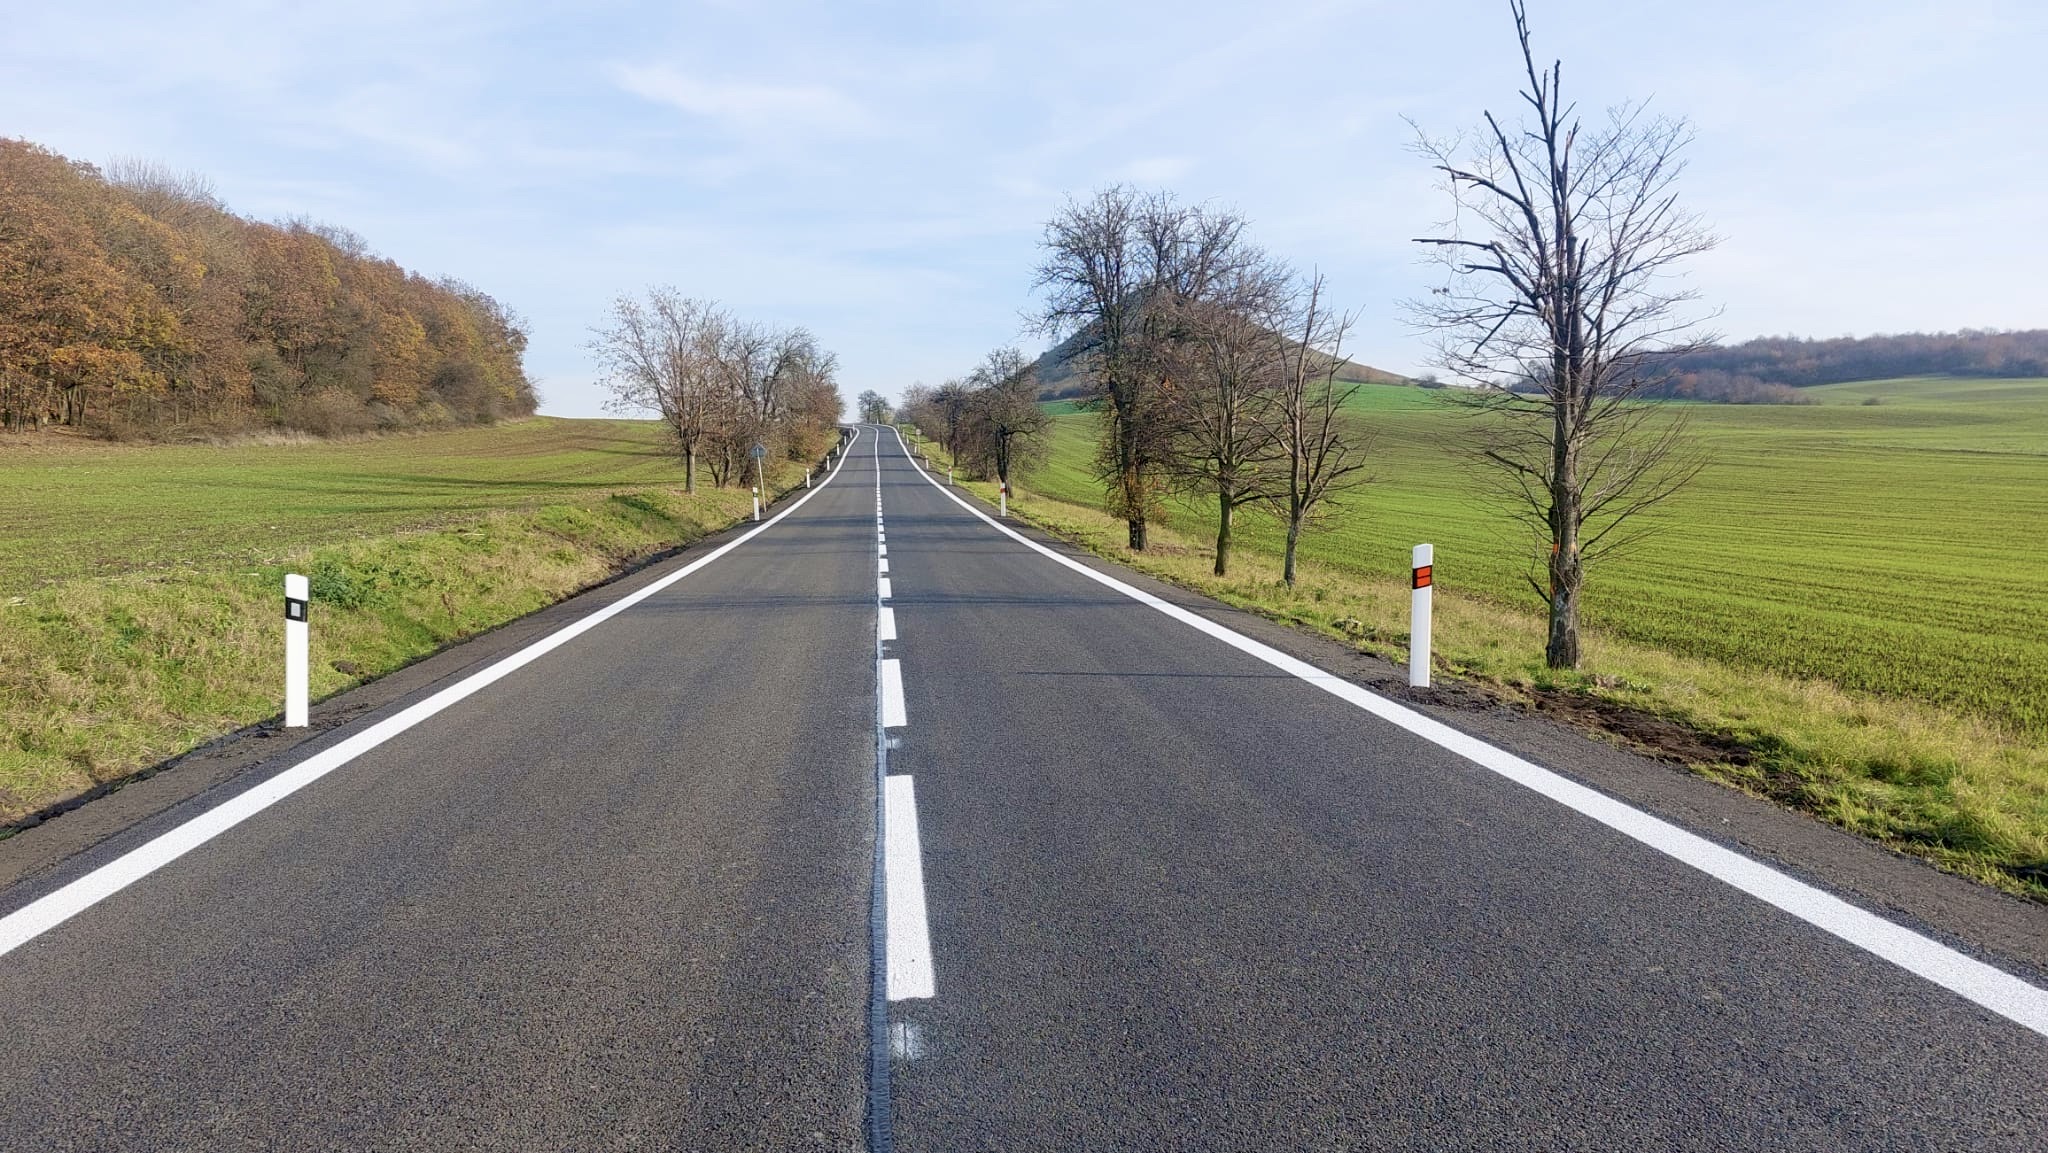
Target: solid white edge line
{"type": "Point", "coordinates": [1984, 985]}
{"type": "Point", "coordinates": [47, 912]}
{"type": "Point", "coordinates": [910, 939]}
{"type": "Point", "coordinates": [885, 624]}
{"type": "Point", "coordinates": [893, 716]}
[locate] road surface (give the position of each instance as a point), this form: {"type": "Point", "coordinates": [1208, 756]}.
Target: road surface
{"type": "Point", "coordinates": [1140, 887]}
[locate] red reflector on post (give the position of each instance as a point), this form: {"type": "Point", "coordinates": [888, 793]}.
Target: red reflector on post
{"type": "Point", "coordinates": [1422, 577]}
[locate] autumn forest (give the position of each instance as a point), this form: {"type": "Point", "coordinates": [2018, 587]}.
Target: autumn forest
{"type": "Point", "coordinates": [133, 303]}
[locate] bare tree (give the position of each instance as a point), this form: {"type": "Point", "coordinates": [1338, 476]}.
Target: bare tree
{"type": "Point", "coordinates": [1004, 428]}
{"type": "Point", "coordinates": [1114, 269]}
{"type": "Point", "coordinates": [1561, 308]}
{"type": "Point", "coordinates": [743, 358]}
{"type": "Point", "coordinates": [874, 407]}
{"type": "Point", "coordinates": [655, 356]}
{"type": "Point", "coordinates": [802, 403]}
{"type": "Point", "coordinates": [1321, 448]}
{"type": "Point", "coordinates": [1223, 396]}
{"type": "Point", "coordinates": [949, 405]}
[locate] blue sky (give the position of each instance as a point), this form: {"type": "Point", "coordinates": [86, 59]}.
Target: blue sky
{"type": "Point", "coordinates": [880, 172]}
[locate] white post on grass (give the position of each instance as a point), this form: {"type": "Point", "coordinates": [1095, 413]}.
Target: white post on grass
{"type": "Point", "coordinates": [760, 478]}
{"type": "Point", "coordinates": [807, 478]}
{"type": "Point", "coordinates": [1004, 491]}
{"type": "Point", "coordinates": [296, 595]}
{"type": "Point", "coordinates": [949, 476]}
{"type": "Point", "coordinates": [1423, 583]}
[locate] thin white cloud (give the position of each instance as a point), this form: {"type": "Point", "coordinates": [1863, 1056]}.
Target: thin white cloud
{"type": "Point", "coordinates": [748, 110]}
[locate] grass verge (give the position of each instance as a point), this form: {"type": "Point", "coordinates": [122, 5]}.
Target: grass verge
{"type": "Point", "coordinates": [101, 677]}
{"type": "Point", "coordinates": [1954, 789]}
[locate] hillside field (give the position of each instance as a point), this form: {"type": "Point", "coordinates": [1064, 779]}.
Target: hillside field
{"type": "Point", "coordinates": [1896, 548]}
{"type": "Point", "coordinates": [76, 508]}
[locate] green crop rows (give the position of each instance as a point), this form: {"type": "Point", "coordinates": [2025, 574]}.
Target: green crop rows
{"type": "Point", "coordinates": [1896, 548]}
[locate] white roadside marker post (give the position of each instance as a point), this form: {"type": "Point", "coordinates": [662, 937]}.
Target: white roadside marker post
{"type": "Point", "coordinates": [296, 595]}
{"type": "Point", "coordinates": [949, 476]}
{"type": "Point", "coordinates": [1423, 584]}
{"type": "Point", "coordinates": [1003, 490]}
{"type": "Point", "coordinates": [807, 478]}
{"type": "Point", "coordinates": [758, 452]}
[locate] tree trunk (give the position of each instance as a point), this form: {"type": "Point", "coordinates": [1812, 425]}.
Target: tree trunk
{"type": "Point", "coordinates": [1561, 650]}
{"type": "Point", "coordinates": [1133, 482]}
{"type": "Point", "coordinates": [689, 468]}
{"type": "Point", "coordinates": [1223, 507]}
{"type": "Point", "coordinates": [1134, 506]}
{"type": "Point", "coordinates": [1293, 535]}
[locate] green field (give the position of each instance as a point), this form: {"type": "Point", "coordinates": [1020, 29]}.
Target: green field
{"type": "Point", "coordinates": [70, 509]}
{"type": "Point", "coordinates": [139, 586]}
{"type": "Point", "coordinates": [1897, 548]}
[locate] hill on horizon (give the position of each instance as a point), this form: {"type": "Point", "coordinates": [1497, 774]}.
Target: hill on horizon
{"type": "Point", "coordinates": [1060, 378]}
{"type": "Point", "coordinates": [1779, 369]}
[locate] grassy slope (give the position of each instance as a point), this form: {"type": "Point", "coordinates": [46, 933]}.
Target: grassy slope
{"type": "Point", "coordinates": [1851, 593]}
{"type": "Point", "coordinates": [411, 543]}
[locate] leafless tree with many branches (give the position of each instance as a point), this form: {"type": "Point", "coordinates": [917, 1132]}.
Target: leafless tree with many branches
{"type": "Point", "coordinates": [1222, 395]}
{"type": "Point", "coordinates": [1321, 448]}
{"type": "Point", "coordinates": [656, 356]}
{"type": "Point", "coordinates": [1560, 308]}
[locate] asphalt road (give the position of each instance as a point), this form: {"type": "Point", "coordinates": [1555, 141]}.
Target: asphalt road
{"type": "Point", "coordinates": [1172, 897]}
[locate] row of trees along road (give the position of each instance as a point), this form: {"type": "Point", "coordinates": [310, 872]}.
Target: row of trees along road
{"type": "Point", "coordinates": [718, 383]}
{"type": "Point", "coordinates": [1214, 364]}
{"type": "Point", "coordinates": [990, 421]}
{"type": "Point", "coordinates": [1215, 367]}
{"type": "Point", "coordinates": [133, 301]}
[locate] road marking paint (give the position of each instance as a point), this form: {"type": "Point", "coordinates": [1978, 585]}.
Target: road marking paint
{"type": "Point", "coordinates": [884, 563]}
{"type": "Point", "coordinates": [910, 938]}
{"type": "Point", "coordinates": [884, 548]}
{"type": "Point", "coordinates": [882, 588]}
{"type": "Point", "coordinates": [892, 694]}
{"type": "Point", "coordinates": [880, 1112]}
{"type": "Point", "coordinates": [47, 912]}
{"type": "Point", "coordinates": [1985, 985]}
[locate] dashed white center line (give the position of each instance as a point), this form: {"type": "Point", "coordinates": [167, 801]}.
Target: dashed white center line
{"type": "Point", "coordinates": [907, 949]}
{"type": "Point", "coordinates": [910, 939]}
{"type": "Point", "coordinates": [892, 695]}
